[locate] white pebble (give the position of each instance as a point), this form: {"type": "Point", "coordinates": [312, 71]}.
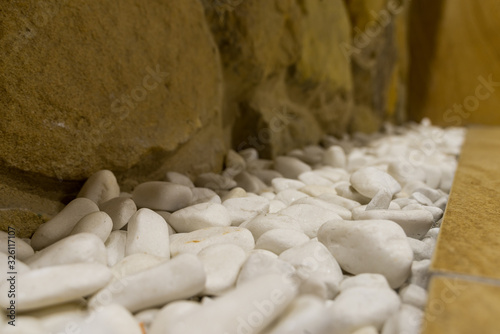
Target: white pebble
{"type": "Point", "coordinates": [421, 250]}
{"type": "Point", "coordinates": [199, 216]}
{"type": "Point", "coordinates": [407, 320]}
{"type": "Point", "coordinates": [263, 263]}
{"type": "Point", "coordinates": [279, 240]}
{"type": "Point", "coordinates": [414, 295]}
{"type": "Point", "coordinates": [281, 184]}
{"type": "Point", "coordinates": [290, 167]}
{"type": "Point", "coordinates": [110, 319]}
{"type": "Point", "coordinates": [235, 164]}
{"type": "Point", "coordinates": [100, 187]}
{"type": "Point", "coordinates": [340, 201]}
{"type": "Point", "coordinates": [120, 209]}
{"type": "Point", "coordinates": [171, 313]}
{"type": "Point", "coordinates": [249, 182]}
{"type": "Point", "coordinates": [98, 223]}
{"type": "Point", "coordinates": [165, 196]}
{"type": "Point", "coordinates": [310, 217]}
{"type": "Point", "coordinates": [341, 211]}
{"type": "Point", "coordinates": [288, 196]}
{"type": "Point", "coordinates": [276, 205]}
{"type": "Point", "coordinates": [179, 178]}
{"type": "Point", "coordinates": [245, 208]}
{"type": "Point", "coordinates": [369, 181]}
{"type": "Point", "coordinates": [335, 156]}
{"type": "Point", "coordinates": [364, 280]}
{"type": "Point", "coordinates": [22, 249]}
{"type": "Point", "coordinates": [134, 264]}
{"type": "Point", "coordinates": [166, 215]}
{"type": "Point", "coordinates": [204, 195]}
{"type": "Point", "coordinates": [313, 179]}
{"type": "Point", "coordinates": [315, 191]}
{"type": "Point", "coordinates": [263, 223]}
{"type": "Point", "coordinates": [420, 273]}
{"type": "Point", "coordinates": [215, 181]}
{"type": "Point", "coordinates": [147, 233]}
{"type": "Point", "coordinates": [115, 247]}
{"type": "Point", "coordinates": [370, 246]}
{"type": "Point", "coordinates": [234, 193]}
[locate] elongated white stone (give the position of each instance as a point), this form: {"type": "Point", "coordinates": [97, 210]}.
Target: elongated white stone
{"type": "Point", "coordinates": [145, 318]}
{"type": "Point", "coordinates": [364, 280]}
{"type": "Point", "coordinates": [421, 250]}
{"type": "Point", "coordinates": [111, 319]}
{"type": "Point", "coordinates": [341, 211]}
{"type": "Point", "coordinates": [61, 317]}
{"type": "Point", "coordinates": [315, 191]}
{"type": "Point", "coordinates": [339, 200]}
{"type": "Point", "coordinates": [245, 208]}
{"type": "Point", "coordinates": [279, 240]}
{"type": "Point", "coordinates": [335, 156]}
{"type": "Point", "coordinates": [288, 196]}
{"type": "Point", "coordinates": [414, 295]}
{"type": "Point", "coordinates": [199, 216]}
{"type": "Point", "coordinates": [369, 181]}
{"type": "Point", "coordinates": [158, 195]}
{"type": "Point", "coordinates": [134, 264]}
{"type": "Point", "coordinates": [310, 217]}
{"type": "Point", "coordinates": [195, 241]}
{"type": "Point", "coordinates": [147, 233]}
{"type": "Point", "coordinates": [235, 164]}
{"type": "Point", "coordinates": [222, 264]}
{"type": "Point", "coordinates": [290, 167]}
{"type": "Point", "coordinates": [313, 179]}
{"type": "Point", "coordinates": [263, 223]}
{"type": "Point", "coordinates": [234, 193]}
{"type": "Point", "coordinates": [281, 184]}
{"type": "Point", "coordinates": [246, 309]}
{"type": "Point", "coordinates": [261, 263]}
{"type": "Point", "coordinates": [5, 266]}
{"type": "Point", "coordinates": [98, 223]}
{"type": "Point", "coordinates": [204, 195]}
{"type": "Point", "coordinates": [345, 190]}
{"type": "Point", "coordinates": [61, 225]}
{"type": "Point", "coordinates": [420, 273]}
{"type": "Point", "coordinates": [276, 205]}
{"type": "Point", "coordinates": [179, 178]}
{"type": "Point", "coordinates": [249, 182]}
{"type": "Point", "coordinates": [115, 247]}
{"type": "Point", "coordinates": [100, 187]}
{"type": "Point", "coordinates": [369, 246]}
{"type": "Point", "coordinates": [82, 247]}
{"type": "Point", "coordinates": [170, 313]}
{"type": "Point", "coordinates": [22, 249]}
{"type": "Point", "coordinates": [215, 181]}
{"type": "Point", "coordinates": [55, 285]}
{"type": "Point", "coordinates": [181, 277]}
{"type": "Point", "coordinates": [266, 175]}
{"type": "Point", "coordinates": [120, 209]}
{"type": "Point", "coordinates": [407, 320]}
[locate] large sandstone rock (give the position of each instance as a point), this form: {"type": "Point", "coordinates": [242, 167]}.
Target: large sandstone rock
{"type": "Point", "coordinates": [126, 85]}
{"type": "Point", "coordinates": [287, 81]}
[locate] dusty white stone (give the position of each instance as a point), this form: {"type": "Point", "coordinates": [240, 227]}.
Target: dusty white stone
{"type": "Point", "coordinates": [222, 264]}
{"type": "Point", "coordinates": [310, 217]}
{"type": "Point", "coordinates": [415, 223]}
{"type": "Point", "coordinates": [311, 178]}
{"type": "Point", "coordinates": [430, 193]}
{"type": "Point", "coordinates": [115, 247]}
{"type": "Point", "coordinates": [111, 319]}
{"type": "Point", "coordinates": [249, 182]}
{"type": "Point", "coordinates": [166, 215]}
{"type": "Point", "coordinates": [339, 200]}
{"type": "Point", "coordinates": [100, 187]}
{"type": "Point", "coordinates": [420, 273]}
{"type": "Point", "coordinates": [62, 317]}
{"type": "Point", "coordinates": [82, 247]}
{"type": "Point", "coordinates": [281, 184]}
{"type": "Point", "coordinates": [24, 325]}
{"type": "Point", "coordinates": [98, 223]}
{"type": "Point", "coordinates": [260, 263]}
{"type": "Point", "coordinates": [263, 223]}
{"type": "Point", "coordinates": [264, 299]}
{"type": "Point", "coordinates": [341, 211]}
{"type": "Point", "coordinates": [147, 233]}
{"type": "Point", "coordinates": [405, 172]}
{"type": "Point", "coordinates": [165, 196]}
{"type": "Point", "coordinates": [288, 196]}
{"type": "Point", "coordinates": [279, 240]}
{"type": "Point", "coordinates": [59, 284]}
{"type": "Point", "coordinates": [381, 201]}
{"type": "Point", "coordinates": [61, 225]}
{"type": "Point", "coordinates": [421, 198]}
{"type": "Point", "coordinates": [361, 307]}
{"type": "Point", "coordinates": [370, 246]}
{"type": "Point", "coordinates": [199, 216]}
{"type": "Point", "coordinates": [306, 314]}
{"type": "Point", "coordinates": [364, 280]}
{"type": "Point", "coordinates": [215, 181]}
{"type": "Point", "coordinates": [195, 241]}
{"type": "Point", "coordinates": [315, 190]}
{"type": "Point", "coordinates": [345, 190]}
{"type": "Point", "coordinates": [181, 277]}
{"type": "Point", "coordinates": [369, 181]}
{"type": "Point", "coordinates": [134, 264]}
{"type": "Point", "coordinates": [179, 178]}
{"type": "Point", "coordinates": [235, 164]}
{"type": "Point", "coordinates": [245, 208]}
{"type": "Point", "coordinates": [22, 249]}
{"type": "Point", "coordinates": [120, 209]}
{"type": "Point", "coordinates": [407, 320]}
{"type": "Point", "coordinates": [315, 265]}
{"type": "Point", "coordinates": [335, 156]}
{"type": "Point", "coordinates": [204, 195]}
{"type": "Point", "coordinates": [421, 250]}
{"type": "Point", "coordinates": [414, 295]}
{"type": "Point", "coordinates": [290, 167]}
{"type": "Point", "coordinates": [276, 205]}
{"type": "Point", "coordinates": [234, 193]}
{"type": "Point", "coordinates": [170, 313]}
{"type": "Point", "coordinates": [145, 318]}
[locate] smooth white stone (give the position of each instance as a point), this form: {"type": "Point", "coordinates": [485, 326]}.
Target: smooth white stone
{"type": "Point", "coordinates": [245, 208]}
{"type": "Point", "coordinates": [259, 164]}
{"type": "Point", "coordinates": [199, 216]}
{"type": "Point", "coordinates": [195, 241]}
{"type": "Point", "coordinates": [61, 318]}
{"type": "Point", "coordinates": [420, 273]}
{"type": "Point", "coordinates": [310, 217]}
{"type": "Point", "coordinates": [281, 184]}
{"type": "Point", "coordinates": [315, 191]}
{"type": "Point", "coordinates": [170, 313]}
{"type": "Point", "coordinates": [313, 154]}
{"type": "Point", "coordinates": [315, 265]}
{"type": "Point", "coordinates": [406, 172]}
{"type": "Point", "coordinates": [341, 211]}
{"type": "Point", "coordinates": [111, 319]}
{"type": "Point", "coordinates": [263, 223]}
{"type": "Point", "coordinates": [369, 181]}
{"type": "Point", "coordinates": [288, 196]}
{"type": "Point", "coordinates": [82, 247]}
{"type": "Point", "coordinates": [361, 307]}
{"type": "Point", "coordinates": [19, 267]}
{"type": "Point", "coordinates": [421, 198]}
{"type": "Point", "coordinates": [408, 320]}
{"type": "Point", "coordinates": [365, 280]}
{"type": "Point", "coordinates": [222, 264]}
{"type": "Point", "coordinates": [339, 200]}
{"type": "Point", "coordinates": [214, 181]}
{"type": "Point", "coordinates": [381, 201]}
{"type": "Point", "coordinates": [430, 193]}
{"type": "Point", "coordinates": [98, 223]}
{"type": "Point", "coordinates": [335, 156]}
{"type": "Point", "coordinates": [415, 223]}
{"type": "Point", "coordinates": [441, 203]}
{"type": "Point", "coordinates": [433, 175]}
{"type": "Point", "coordinates": [247, 309]}
{"type": "Point", "coordinates": [345, 190]}
{"type": "Point", "coordinates": [115, 247]}
{"type": "Point", "coordinates": [147, 233]}
{"type": "Point", "coordinates": [404, 202]}
{"type": "Point", "coordinates": [266, 175]}
{"type": "Point", "coordinates": [100, 187]}
{"type": "Point", "coordinates": [166, 215]}
{"type": "Point", "coordinates": [165, 196]}
{"type": "Point", "coordinates": [234, 193]}
{"type": "Point", "coordinates": [260, 264]}
{"type": "Point", "coordinates": [421, 250]}
{"type": "Point", "coordinates": [145, 318]}
{"type": "Point", "coordinates": [120, 209]}
{"type": "Point", "coordinates": [181, 277]}
{"type": "Point", "coordinates": [22, 249]}
{"type": "Point", "coordinates": [264, 252]}
{"type": "Point", "coordinates": [436, 212]}
{"type": "Point", "coordinates": [249, 182]}
{"type": "Point", "coordinates": [179, 178]}
{"type": "Point", "coordinates": [134, 264]}
{"type": "Point", "coordinates": [61, 225]}
{"type": "Point", "coordinates": [56, 285]}
{"type": "Point", "coordinates": [24, 325]}
{"type": "Point", "coordinates": [369, 246]}
{"type": "Point", "coordinates": [249, 154]}
{"type": "Point", "coordinates": [311, 178]}
{"type": "Point", "coordinates": [306, 314]}
{"type": "Point", "coordinates": [279, 240]}
{"type": "Point", "coordinates": [235, 164]}
{"type": "Point", "coordinates": [414, 295]}
{"type": "Point", "coordinates": [290, 167]}
{"type": "Point", "coordinates": [366, 330]}
{"type": "Point", "coordinates": [275, 206]}
{"type": "Point", "coordinates": [204, 195]}
{"type": "Point", "coordinates": [333, 174]}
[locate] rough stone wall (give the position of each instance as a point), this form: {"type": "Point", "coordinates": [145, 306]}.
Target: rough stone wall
{"type": "Point", "coordinates": [144, 87]}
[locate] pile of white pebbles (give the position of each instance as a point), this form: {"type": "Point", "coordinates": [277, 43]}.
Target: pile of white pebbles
{"type": "Point", "coordinates": [331, 239]}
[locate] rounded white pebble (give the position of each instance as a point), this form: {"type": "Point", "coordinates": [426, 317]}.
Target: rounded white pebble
{"type": "Point", "coordinates": [120, 209]}
{"type": "Point", "coordinates": [179, 178]}
{"type": "Point", "coordinates": [147, 233]}
{"type": "Point", "coordinates": [115, 247]}
{"type": "Point", "coordinates": [263, 223]}
{"type": "Point", "coordinates": [279, 240]}
{"type": "Point", "coordinates": [23, 249]}
{"type": "Point", "coordinates": [309, 217]}
{"type": "Point", "coordinates": [407, 320]}
{"type": "Point", "coordinates": [100, 187]}
{"type": "Point", "coordinates": [98, 223]}
{"type": "Point", "coordinates": [290, 167]}
{"type": "Point", "coordinates": [245, 208]}
{"type": "Point", "coordinates": [414, 295]}
{"type": "Point", "coordinates": [199, 216]}
{"type": "Point", "coordinates": [165, 196]}
{"type": "Point", "coordinates": [369, 181]}
{"type": "Point", "coordinates": [365, 280]}
{"type": "Point", "coordinates": [259, 263]}
{"type": "Point", "coordinates": [111, 319]}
